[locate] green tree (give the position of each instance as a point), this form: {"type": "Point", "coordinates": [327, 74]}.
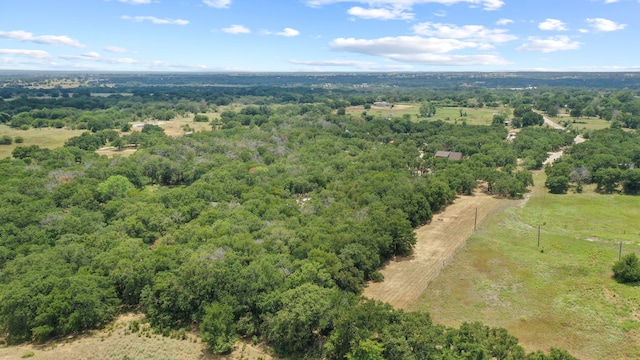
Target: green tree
{"type": "Point", "coordinates": [557, 184]}
{"type": "Point", "coordinates": [366, 349]}
{"type": "Point", "coordinates": [118, 143]}
{"type": "Point", "coordinates": [218, 328]}
{"type": "Point", "coordinates": [304, 316]}
{"type": "Point", "coordinates": [608, 179]}
{"type": "Point", "coordinates": [114, 187]}
{"type": "Point", "coordinates": [631, 181]}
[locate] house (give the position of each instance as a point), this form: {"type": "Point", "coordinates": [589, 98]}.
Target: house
{"type": "Point", "coordinates": [451, 155]}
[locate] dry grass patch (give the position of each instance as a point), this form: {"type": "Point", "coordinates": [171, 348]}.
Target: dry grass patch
{"type": "Point", "coordinates": [111, 151]}
{"type": "Point", "coordinates": [129, 337]}
{"type": "Point", "coordinates": [406, 278]}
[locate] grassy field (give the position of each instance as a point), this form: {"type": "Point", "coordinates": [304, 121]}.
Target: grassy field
{"type": "Point", "coordinates": [583, 123]}
{"type": "Point", "coordinates": [560, 294]}
{"type": "Point", "coordinates": [474, 116]}
{"type": "Point", "coordinates": [44, 137]}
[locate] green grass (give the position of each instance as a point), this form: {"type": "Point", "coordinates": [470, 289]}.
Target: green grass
{"type": "Point", "coordinates": [474, 116]}
{"type": "Point", "coordinates": [43, 137]}
{"type": "Point", "coordinates": [583, 123]}
{"type": "Point", "coordinates": [560, 294]}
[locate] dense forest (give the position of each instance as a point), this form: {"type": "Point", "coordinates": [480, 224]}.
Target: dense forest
{"type": "Point", "coordinates": [269, 225]}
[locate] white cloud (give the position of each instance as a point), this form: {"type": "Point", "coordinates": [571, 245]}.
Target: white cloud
{"type": "Point", "coordinates": [552, 25]}
{"type": "Point", "coordinates": [362, 65]}
{"type": "Point", "coordinates": [556, 43]}
{"type": "Point", "coordinates": [408, 4]}
{"type": "Point", "coordinates": [452, 60]}
{"type": "Point", "coordinates": [136, 2]}
{"type": "Point", "coordinates": [503, 22]}
{"type": "Point", "coordinates": [60, 40]}
{"type": "Point", "coordinates": [156, 20]}
{"type": "Point", "coordinates": [605, 25]}
{"type": "Point", "coordinates": [91, 55]}
{"type": "Point", "coordinates": [610, 1]}
{"type": "Point", "coordinates": [115, 49]}
{"type": "Point", "coordinates": [380, 13]}
{"type": "Point", "coordinates": [440, 13]}
{"type": "Point", "coordinates": [34, 54]}
{"type": "Point", "coordinates": [401, 45]}
{"type": "Point", "coordinates": [236, 29]}
{"type": "Point", "coordinates": [418, 50]}
{"type": "Point", "coordinates": [288, 32]}
{"type": "Point", "coordinates": [469, 32]}
{"type": "Point", "coordinates": [219, 4]}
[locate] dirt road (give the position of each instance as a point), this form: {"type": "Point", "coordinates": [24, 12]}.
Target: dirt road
{"type": "Point", "coordinates": [405, 279]}
{"type": "Point", "coordinates": [553, 156]}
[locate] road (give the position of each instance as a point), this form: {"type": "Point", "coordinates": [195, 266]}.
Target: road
{"type": "Point", "coordinates": [553, 156]}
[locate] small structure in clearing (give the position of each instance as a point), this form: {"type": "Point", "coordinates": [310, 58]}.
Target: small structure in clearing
{"type": "Point", "coordinates": [451, 155]}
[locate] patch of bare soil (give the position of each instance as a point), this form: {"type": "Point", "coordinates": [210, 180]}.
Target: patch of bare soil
{"type": "Point", "coordinates": [112, 151]}
{"type": "Point", "coordinates": [119, 341]}
{"type": "Point", "coordinates": [406, 278]}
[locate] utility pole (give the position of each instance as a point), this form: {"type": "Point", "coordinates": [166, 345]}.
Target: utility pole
{"type": "Point", "coordinates": [620, 252]}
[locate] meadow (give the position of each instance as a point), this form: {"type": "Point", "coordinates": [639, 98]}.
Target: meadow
{"type": "Point", "coordinates": [558, 294]}
{"type": "Point", "coordinates": [43, 137]}
{"type": "Point", "coordinates": [580, 124]}
{"type": "Point", "coordinates": [472, 116]}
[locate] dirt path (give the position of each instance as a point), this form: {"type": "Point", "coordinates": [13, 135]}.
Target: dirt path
{"type": "Point", "coordinates": [405, 279]}
{"type": "Point", "coordinates": [552, 124]}
{"type": "Point", "coordinates": [553, 156]}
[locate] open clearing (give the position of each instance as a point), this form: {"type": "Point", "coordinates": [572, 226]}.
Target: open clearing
{"type": "Point", "coordinates": [560, 294]}
{"type": "Point", "coordinates": [117, 341]}
{"type": "Point", "coordinates": [406, 278]}
{"type": "Point", "coordinates": [474, 116]}
{"type": "Point", "coordinates": [44, 137]}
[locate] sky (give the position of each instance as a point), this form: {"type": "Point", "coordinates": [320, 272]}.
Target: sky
{"type": "Point", "coordinates": [320, 35]}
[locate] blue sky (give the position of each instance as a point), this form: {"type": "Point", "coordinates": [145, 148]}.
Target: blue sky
{"type": "Point", "coordinates": [320, 35]}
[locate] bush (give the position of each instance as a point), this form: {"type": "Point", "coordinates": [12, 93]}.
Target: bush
{"type": "Point", "coordinates": [627, 269]}
{"type": "Point", "coordinates": [201, 118]}
{"type": "Point", "coordinates": [6, 140]}
{"type": "Point", "coordinates": [18, 139]}
{"type": "Point", "coordinates": [557, 184]}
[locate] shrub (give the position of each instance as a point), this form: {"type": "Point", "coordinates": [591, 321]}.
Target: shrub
{"type": "Point", "coordinates": [557, 184]}
{"type": "Point", "coordinates": [6, 140]}
{"type": "Point", "coordinates": [201, 118]}
{"type": "Point", "coordinates": [18, 139]}
{"type": "Point", "coordinates": [627, 269]}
